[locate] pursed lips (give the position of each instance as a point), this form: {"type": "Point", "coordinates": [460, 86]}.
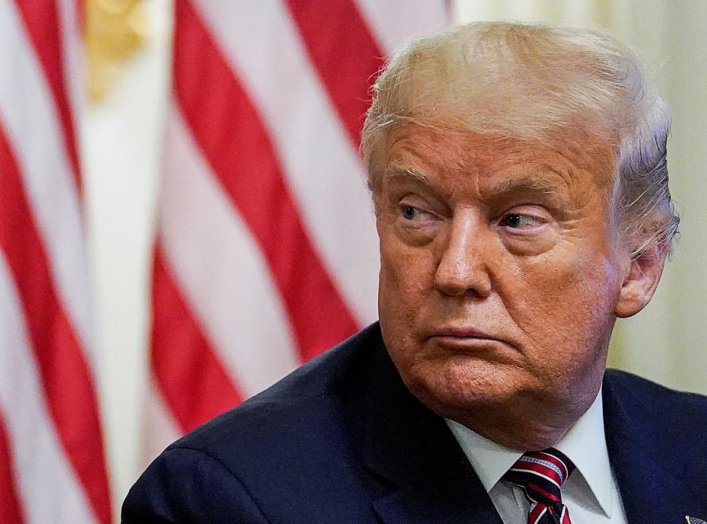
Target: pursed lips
{"type": "Point", "coordinates": [456, 334]}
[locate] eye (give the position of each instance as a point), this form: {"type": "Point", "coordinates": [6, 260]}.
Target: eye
{"type": "Point", "coordinates": [528, 229]}
{"type": "Point", "coordinates": [521, 221]}
{"type": "Point", "coordinates": [417, 220]}
{"type": "Point", "coordinates": [410, 212]}
{"type": "Point", "coordinates": [414, 212]}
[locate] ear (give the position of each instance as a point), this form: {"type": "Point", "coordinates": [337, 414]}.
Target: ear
{"type": "Point", "coordinates": [641, 280]}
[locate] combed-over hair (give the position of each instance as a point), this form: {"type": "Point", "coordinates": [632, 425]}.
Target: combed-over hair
{"type": "Point", "coordinates": [532, 82]}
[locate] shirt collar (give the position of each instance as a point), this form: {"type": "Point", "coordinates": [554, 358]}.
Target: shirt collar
{"type": "Point", "coordinates": [584, 444]}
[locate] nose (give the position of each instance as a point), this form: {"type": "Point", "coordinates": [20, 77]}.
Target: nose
{"type": "Point", "coordinates": [463, 268]}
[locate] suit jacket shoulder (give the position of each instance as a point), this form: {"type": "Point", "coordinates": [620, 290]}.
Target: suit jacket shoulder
{"type": "Point", "coordinates": [657, 448]}
{"type": "Point", "coordinates": [339, 440]}
{"type": "Point", "coordinates": [274, 451]}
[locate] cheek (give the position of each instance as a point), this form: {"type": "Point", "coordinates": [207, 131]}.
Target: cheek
{"type": "Point", "coordinates": [405, 283]}
{"type": "Point", "coordinates": [406, 273]}
{"type": "Point", "coordinates": [568, 302]}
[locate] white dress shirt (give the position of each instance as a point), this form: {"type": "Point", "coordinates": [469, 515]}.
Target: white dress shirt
{"type": "Point", "coordinates": [590, 494]}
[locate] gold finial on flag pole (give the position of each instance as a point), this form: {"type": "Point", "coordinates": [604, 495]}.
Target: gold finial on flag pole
{"type": "Point", "coordinates": [115, 29]}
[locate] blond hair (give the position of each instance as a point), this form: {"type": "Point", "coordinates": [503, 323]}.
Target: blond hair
{"type": "Point", "coordinates": [532, 82]}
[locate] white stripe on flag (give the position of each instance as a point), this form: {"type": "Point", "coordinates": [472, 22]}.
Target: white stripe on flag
{"type": "Point", "coordinates": [235, 300]}
{"type": "Point", "coordinates": [48, 489]}
{"type": "Point", "coordinates": [35, 135]}
{"type": "Point", "coordinates": [160, 428]}
{"type": "Point", "coordinates": [395, 22]}
{"type": "Point", "coordinates": [74, 65]}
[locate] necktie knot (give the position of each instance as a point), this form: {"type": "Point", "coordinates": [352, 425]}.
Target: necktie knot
{"type": "Point", "coordinates": [541, 475]}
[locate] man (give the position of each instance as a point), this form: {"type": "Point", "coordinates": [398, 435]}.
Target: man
{"type": "Point", "coordinates": [520, 188]}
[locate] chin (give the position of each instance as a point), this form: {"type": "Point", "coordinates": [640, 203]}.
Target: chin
{"type": "Point", "coordinates": [452, 388]}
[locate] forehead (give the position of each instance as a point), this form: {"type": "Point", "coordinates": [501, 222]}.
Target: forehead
{"type": "Point", "coordinates": [571, 163]}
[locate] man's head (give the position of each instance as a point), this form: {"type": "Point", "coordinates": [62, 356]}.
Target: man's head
{"type": "Point", "coordinates": [520, 186]}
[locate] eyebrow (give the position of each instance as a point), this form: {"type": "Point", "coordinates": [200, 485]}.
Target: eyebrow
{"type": "Point", "coordinates": [533, 183]}
{"type": "Point", "coordinates": [408, 173]}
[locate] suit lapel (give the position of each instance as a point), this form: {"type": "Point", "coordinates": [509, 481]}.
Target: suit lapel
{"type": "Point", "coordinates": [424, 474]}
{"type": "Point", "coordinates": [649, 479]}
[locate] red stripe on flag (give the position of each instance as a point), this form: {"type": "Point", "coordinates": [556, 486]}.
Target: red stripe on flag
{"type": "Point", "coordinates": [228, 130]}
{"type": "Point", "coordinates": [64, 372]}
{"type": "Point", "coordinates": [189, 374]}
{"type": "Point", "coordinates": [10, 509]}
{"type": "Point", "coordinates": [344, 52]}
{"type": "Point", "coordinates": [41, 20]}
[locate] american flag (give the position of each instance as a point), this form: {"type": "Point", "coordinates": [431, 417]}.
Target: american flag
{"type": "Point", "coordinates": [52, 466]}
{"type": "Point", "coordinates": [266, 252]}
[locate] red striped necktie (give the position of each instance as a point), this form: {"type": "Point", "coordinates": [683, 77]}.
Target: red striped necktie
{"type": "Point", "coordinates": [541, 475]}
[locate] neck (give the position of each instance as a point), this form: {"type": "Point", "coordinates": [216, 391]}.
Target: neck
{"type": "Point", "coordinates": [521, 439]}
{"type": "Point", "coordinates": [524, 426]}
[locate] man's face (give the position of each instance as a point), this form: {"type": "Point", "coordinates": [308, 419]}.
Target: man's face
{"type": "Point", "coordinates": [499, 277]}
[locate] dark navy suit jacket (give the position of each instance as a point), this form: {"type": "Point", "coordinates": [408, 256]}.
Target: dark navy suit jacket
{"type": "Point", "coordinates": [341, 440]}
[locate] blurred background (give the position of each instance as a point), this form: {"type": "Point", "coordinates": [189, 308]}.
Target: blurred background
{"type": "Point", "coordinates": [226, 228]}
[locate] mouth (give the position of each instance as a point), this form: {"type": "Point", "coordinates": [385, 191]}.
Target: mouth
{"type": "Point", "coordinates": [466, 338]}
{"type": "Point", "coordinates": [463, 332]}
